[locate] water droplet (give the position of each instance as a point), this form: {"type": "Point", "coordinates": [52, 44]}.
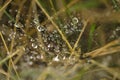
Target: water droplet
{"type": "Point", "coordinates": [30, 63]}
{"type": "Point", "coordinates": [38, 57]}
{"type": "Point", "coordinates": [10, 10]}
{"type": "Point", "coordinates": [112, 36]}
{"type": "Point", "coordinates": [32, 40]}
{"type": "Point", "coordinates": [118, 29]}
{"type": "Point", "coordinates": [75, 20]}
{"type": "Point", "coordinates": [34, 45]}
{"type": "Point", "coordinates": [64, 50]}
{"type": "Point", "coordinates": [72, 28]}
{"type": "Point", "coordinates": [16, 10]}
{"type": "Point", "coordinates": [45, 40]}
{"type": "Point", "coordinates": [57, 35]}
{"type": "Point", "coordinates": [53, 39]}
{"type": "Point", "coordinates": [65, 27]}
{"type": "Point", "coordinates": [31, 57]}
{"type": "Point", "coordinates": [114, 32]}
{"type": "Point", "coordinates": [10, 22]}
{"type": "Point", "coordinates": [66, 31]}
{"type": "Point", "coordinates": [42, 57]}
{"type": "Point", "coordinates": [8, 53]}
{"type": "Point", "coordinates": [54, 31]}
{"type": "Point", "coordinates": [18, 25]}
{"type": "Point", "coordinates": [12, 35]}
{"type": "Point", "coordinates": [57, 49]}
{"type": "Point", "coordinates": [34, 52]}
{"type": "Point", "coordinates": [79, 24]}
{"type": "Point", "coordinates": [40, 45]}
{"type": "Point", "coordinates": [49, 38]}
{"type": "Point", "coordinates": [36, 21]}
{"type": "Point", "coordinates": [43, 48]}
{"type": "Point", "coordinates": [78, 30]}
{"type": "Point", "coordinates": [50, 45]}
{"type": "Point", "coordinates": [64, 58]}
{"type": "Point", "coordinates": [9, 39]}
{"type": "Point", "coordinates": [40, 28]}
{"type": "Point", "coordinates": [71, 32]}
{"type": "Point", "coordinates": [56, 59]}
{"type": "Point", "coordinates": [51, 35]}
{"type": "Point", "coordinates": [33, 11]}
{"type": "Point", "coordinates": [61, 25]}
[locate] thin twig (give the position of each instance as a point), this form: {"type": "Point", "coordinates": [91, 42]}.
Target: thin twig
{"type": "Point", "coordinates": [80, 35]}
{"type": "Point", "coordinates": [15, 69]}
{"type": "Point", "coordinates": [5, 45]}
{"type": "Point", "coordinates": [108, 51]}
{"type": "Point", "coordinates": [11, 55]}
{"type": "Point", "coordinates": [111, 71]}
{"type": "Point", "coordinates": [105, 48]}
{"type": "Point", "coordinates": [5, 5]}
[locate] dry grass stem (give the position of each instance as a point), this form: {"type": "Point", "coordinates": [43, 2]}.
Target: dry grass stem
{"type": "Point", "coordinates": [4, 73]}
{"type": "Point", "coordinates": [11, 55]}
{"type": "Point", "coordinates": [109, 70]}
{"type": "Point", "coordinates": [79, 37]}
{"type": "Point", "coordinates": [105, 49]}
{"type": "Point", "coordinates": [5, 45]}
{"type": "Point", "coordinates": [5, 5]}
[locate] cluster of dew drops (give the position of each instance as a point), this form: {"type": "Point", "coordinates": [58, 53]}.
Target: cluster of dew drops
{"type": "Point", "coordinates": [72, 28]}
{"type": "Point", "coordinates": [54, 46]}
{"type": "Point", "coordinates": [115, 33]}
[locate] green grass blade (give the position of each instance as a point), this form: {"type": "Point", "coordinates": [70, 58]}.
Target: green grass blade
{"type": "Point", "coordinates": [9, 16]}
{"type": "Point", "coordinates": [91, 33]}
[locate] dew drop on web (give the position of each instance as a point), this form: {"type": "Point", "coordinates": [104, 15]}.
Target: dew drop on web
{"type": "Point", "coordinates": [40, 28]}
{"type": "Point", "coordinates": [75, 20]}
{"type": "Point", "coordinates": [34, 45]}
{"type": "Point", "coordinates": [56, 58]}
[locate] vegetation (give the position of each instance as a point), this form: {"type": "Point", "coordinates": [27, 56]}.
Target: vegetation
{"type": "Point", "coordinates": [59, 40]}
